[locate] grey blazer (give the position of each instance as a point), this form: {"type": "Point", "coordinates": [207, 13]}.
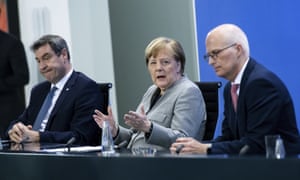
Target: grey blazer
{"type": "Point", "coordinates": [180, 111]}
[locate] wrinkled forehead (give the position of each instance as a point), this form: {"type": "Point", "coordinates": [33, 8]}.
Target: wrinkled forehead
{"type": "Point", "coordinates": [46, 48]}
{"type": "Point", "coordinates": [215, 41]}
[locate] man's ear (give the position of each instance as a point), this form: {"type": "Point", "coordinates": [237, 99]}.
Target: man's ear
{"type": "Point", "coordinates": [64, 53]}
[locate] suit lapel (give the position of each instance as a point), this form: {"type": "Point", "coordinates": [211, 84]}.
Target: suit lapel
{"type": "Point", "coordinates": [240, 124]}
{"type": "Point", "coordinates": [38, 99]}
{"type": "Point", "coordinates": [247, 72]}
{"type": "Point", "coordinates": [42, 93]}
{"type": "Point", "coordinates": [67, 89]}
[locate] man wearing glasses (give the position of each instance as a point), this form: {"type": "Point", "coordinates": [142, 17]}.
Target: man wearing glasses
{"type": "Point", "coordinates": [256, 101]}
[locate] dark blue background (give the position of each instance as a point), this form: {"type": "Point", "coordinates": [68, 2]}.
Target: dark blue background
{"type": "Point", "coordinates": [273, 30]}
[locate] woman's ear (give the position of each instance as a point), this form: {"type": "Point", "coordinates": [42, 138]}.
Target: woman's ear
{"type": "Point", "coordinates": [178, 67]}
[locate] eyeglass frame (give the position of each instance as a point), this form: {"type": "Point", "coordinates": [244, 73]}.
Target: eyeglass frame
{"type": "Point", "coordinates": [214, 53]}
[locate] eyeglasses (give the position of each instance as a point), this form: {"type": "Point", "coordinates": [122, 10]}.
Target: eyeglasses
{"type": "Point", "coordinates": [214, 53]}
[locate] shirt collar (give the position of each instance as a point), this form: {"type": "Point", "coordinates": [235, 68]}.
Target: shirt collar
{"type": "Point", "coordinates": [61, 83]}
{"type": "Point", "coordinates": [238, 78]}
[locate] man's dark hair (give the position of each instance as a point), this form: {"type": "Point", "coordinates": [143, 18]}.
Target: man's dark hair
{"type": "Point", "coordinates": [56, 42]}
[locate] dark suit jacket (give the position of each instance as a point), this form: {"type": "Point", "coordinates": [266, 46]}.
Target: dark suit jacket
{"type": "Point", "coordinates": [264, 107]}
{"type": "Point", "coordinates": [14, 75]}
{"type": "Point", "coordinates": [72, 113]}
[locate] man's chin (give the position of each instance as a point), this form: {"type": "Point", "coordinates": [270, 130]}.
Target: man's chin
{"type": "Point", "coordinates": [219, 73]}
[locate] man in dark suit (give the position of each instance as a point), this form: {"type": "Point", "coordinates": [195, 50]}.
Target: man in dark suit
{"type": "Point", "coordinates": [263, 107]}
{"type": "Point", "coordinates": [71, 107]}
{"type": "Point", "coordinates": [14, 75]}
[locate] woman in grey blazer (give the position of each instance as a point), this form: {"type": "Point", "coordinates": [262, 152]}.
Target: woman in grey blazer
{"type": "Point", "coordinates": [172, 107]}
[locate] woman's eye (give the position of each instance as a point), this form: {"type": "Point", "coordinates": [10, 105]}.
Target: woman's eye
{"type": "Point", "coordinates": [166, 62]}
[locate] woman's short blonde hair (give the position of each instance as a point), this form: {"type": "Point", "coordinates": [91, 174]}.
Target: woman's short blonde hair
{"type": "Point", "coordinates": [164, 43]}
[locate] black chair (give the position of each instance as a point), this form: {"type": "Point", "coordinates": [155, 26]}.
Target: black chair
{"type": "Point", "coordinates": [104, 89]}
{"type": "Point", "coordinates": [210, 92]}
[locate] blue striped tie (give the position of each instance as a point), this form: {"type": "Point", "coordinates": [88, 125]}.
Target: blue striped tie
{"type": "Point", "coordinates": [44, 110]}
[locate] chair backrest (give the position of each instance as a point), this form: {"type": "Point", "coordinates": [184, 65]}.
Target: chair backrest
{"type": "Point", "coordinates": [210, 92]}
{"type": "Point", "coordinates": [104, 89]}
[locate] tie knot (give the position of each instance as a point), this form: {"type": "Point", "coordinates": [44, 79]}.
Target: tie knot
{"type": "Point", "coordinates": [52, 91]}
{"type": "Point", "coordinates": [54, 88]}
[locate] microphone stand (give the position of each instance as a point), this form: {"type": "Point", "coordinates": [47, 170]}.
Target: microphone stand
{"type": "Point", "coordinates": [69, 143]}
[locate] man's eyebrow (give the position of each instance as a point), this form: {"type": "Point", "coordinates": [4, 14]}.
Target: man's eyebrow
{"type": "Point", "coordinates": [43, 56]}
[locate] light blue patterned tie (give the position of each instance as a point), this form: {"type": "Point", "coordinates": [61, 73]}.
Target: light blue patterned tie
{"type": "Point", "coordinates": [44, 110]}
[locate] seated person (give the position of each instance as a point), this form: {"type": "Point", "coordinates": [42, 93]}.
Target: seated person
{"type": "Point", "coordinates": [69, 112]}
{"type": "Point", "coordinates": [263, 106]}
{"type": "Point", "coordinates": [173, 107]}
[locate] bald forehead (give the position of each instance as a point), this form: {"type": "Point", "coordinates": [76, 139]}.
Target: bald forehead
{"type": "Point", "coordinates": [224, 33]}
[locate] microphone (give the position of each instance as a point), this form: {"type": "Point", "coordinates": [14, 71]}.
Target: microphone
{"type": "Point", "coordinates": [179, 148]}
{"type": "Point", "coordinates": [70, 142]}
{"type": "Point", "coordinates": [122, 144]}
{"type": "Point", "coordinates": [244, 150]}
